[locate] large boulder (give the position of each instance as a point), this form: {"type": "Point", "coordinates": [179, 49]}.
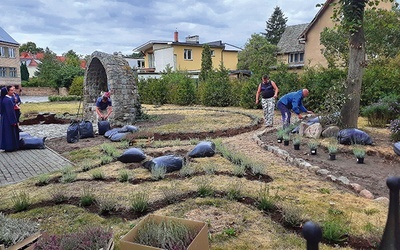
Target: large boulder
{"type": "Point", "coordinates": [313, 131]}
{"type": "Point", "coordinates": [331, 131]}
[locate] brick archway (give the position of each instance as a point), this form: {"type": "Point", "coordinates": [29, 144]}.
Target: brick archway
{"type": "Point", "coordinates": [105, 72]}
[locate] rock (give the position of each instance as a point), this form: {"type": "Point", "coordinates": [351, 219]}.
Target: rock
{"type": "Point", "coordinates": [356, 187]}
{"type": "Point", "coordinates": [367, 194]}
{"type": "Point", "coordinates": [331, 131]}
{"type": "Point", "coordinates": [313, 131]}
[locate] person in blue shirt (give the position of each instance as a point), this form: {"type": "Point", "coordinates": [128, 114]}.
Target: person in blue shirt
{"type": "Point", "coordinates": [292, 101]}
{"type": "Point", "coordinates": [103, 106]}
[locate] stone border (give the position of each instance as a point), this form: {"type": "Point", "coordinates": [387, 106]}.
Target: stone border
{"type": "Point", "coordinates": [302, 164]}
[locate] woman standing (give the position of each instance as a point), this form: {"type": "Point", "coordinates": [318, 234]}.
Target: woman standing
{"type": "Point", "coordinates": [269, 92]}
{"type": "Point", "coordinates": [9, 135]}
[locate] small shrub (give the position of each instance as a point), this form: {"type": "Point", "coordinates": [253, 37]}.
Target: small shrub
{"type": "Point", "coordinates": [13, 230]}
{"type": "Point", "coordinates": [87, 197]}
{"type": "Point", "coordinates": [123, 175]}
{"type": "Point", "coordinates": [88, 164]}
{"type": "Point", "coordinates": [234, 192]}
{"type": "Point", "coordinates": [58, 195]}
{"type": "Point", "coordinates": [291, 215]}
{"type": "Point", "coordinates": [106, 203]}
{"type": "Point", "coordinates": [158, 173]}
{"type": "Point", "coordinates": [230, 232]}
{"type": "Point", "coordinates": [98, 174]}
{"type": "Point", "coordinates": [239, 170]}
{"type": "Point", "coordinates": [334, 230]}
{"type": "Point", "coordinates": [280, 133]}
{"type": "Point", "coordinates": [43, 180]}
{"type": "Point", "coordinates": [395, 130]}
{"type": "Point", "coordinates": [139, 202]}
{"type": "Point", "coordinates": [110, 150]}
{"type": "Point", "coordinates": [296, 140]}
{"type": "Point", "coordinates": [171, 193]}
{"type": "Point", "coordinates": [265, 201]}
{"type": "Point", "coordinates": [359, 151]}
{"type": "Point", "coordinates": [313, 144]}
{"type": "Point", "coordinates": [257, 169]}
{"type": "Point", "coordinates": [105, 159]}
{"type": "Point", "coordinates": [20, 200]}
{"type": "Point", "coordinates": [60, 98]}
{"type": "Point", "coordinates": [187, 170]}
{"type": "Point", "coordinates": [333, 146]}
{"type": "Point", "coordinates": [204, 187]}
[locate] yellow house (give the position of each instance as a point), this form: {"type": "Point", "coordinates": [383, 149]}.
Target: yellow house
{"type": "Point", "coordinates": [308, 39]}
{"type": "Point", "coordinates": [159, 55]}
{"type": "Point", "coordinates": [9, 60]}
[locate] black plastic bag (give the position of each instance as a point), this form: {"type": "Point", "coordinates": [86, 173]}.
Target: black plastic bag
{"type": "Point", "coordinates": [73, 132]}
{"type": "Point", "coordinates": [85, 129]}
{"type": "Point", "coordinates": [170, 162]}
{"type": "Point", "coordinates": [103, 126]}
{"type": "Point", "coordinates": [111, 132]}
{"type": "Point", "coordinates": [32, 143]}
{"type": "Point", "coordinates": [203, 149]}
{"type": "Point", "coordinates": [354, 136]}
{"type": "Point", "coordinates": [132, 155]}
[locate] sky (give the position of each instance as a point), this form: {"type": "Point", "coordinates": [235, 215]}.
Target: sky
{"type": "Point", "coordinates": [112, 26]}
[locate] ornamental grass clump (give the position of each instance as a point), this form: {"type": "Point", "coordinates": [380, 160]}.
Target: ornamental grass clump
{"type": "Point", "coordinates": [168, 234]}
{"type": "Point", "coordinates": [158, 173]}
{"type": "Point", "coordinates": [139, 202]}
{"type": "Point", "coordinates": [21, 200]}
{"type": "Point", "coordinates": [14, 230]}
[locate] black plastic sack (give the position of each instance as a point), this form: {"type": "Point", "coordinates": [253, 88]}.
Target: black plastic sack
{"type": "Point", "coordinates": [111, 132]}
{"type": "Point", "coordinates": [73, 132]}
{"type": "Point", "coordinates": [170, 162]}
{"type": "Point", "coordinates": [354, 136]}
{"type": "Point", "coordinates": [132, 155]}
{"type": "Point", "coordinates": [128, 128]}
{"type": "Point", "coordinates": [396, 147]}
{"type": "Point", "coordinates": [203, 149]}
{"type": "Point", "coordinates": [85, 129]}
{"type": "Point", "coordinates": [118, 136]}
{"type": "Point", "coordinates": [32, 143]}
{"type": "Point", "coordinates": [24, 135]}
{"type": "Point", "coordinates": [103, 127]}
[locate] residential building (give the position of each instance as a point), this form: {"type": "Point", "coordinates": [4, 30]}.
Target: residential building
{"type": "Point", "coordinates": [33, 60]}
{"type": "Point", "coordinates": [160, 55]}
{"type": "Point", "coordinates": [9, 60]}
{"type": "Point", "coordinates": [308, 37]}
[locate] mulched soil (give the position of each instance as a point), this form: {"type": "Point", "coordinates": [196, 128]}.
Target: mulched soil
{"type": "Point", "coordinates": [371, 175]}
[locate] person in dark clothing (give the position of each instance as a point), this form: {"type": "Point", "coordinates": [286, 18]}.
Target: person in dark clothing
{"type": "Point", "coordinates": [17, 101]}
{"type": "Point", "coordinates": [104, 106]}
{"type": "Point", "coordinates": [269, 92]}
{"type": "Point", "coordinates": [9, 132]}
{"type": "Point", "coordinates": [292, 101]}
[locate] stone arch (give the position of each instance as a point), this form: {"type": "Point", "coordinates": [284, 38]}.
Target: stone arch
{"type": "Point", "coordinates": [105, 72]}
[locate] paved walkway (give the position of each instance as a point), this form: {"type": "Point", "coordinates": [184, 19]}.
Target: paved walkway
{"type": "Point", "coordinates": [23, 164]}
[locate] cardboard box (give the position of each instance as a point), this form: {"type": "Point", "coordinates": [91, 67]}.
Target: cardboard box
{"type": "Point", "coordinates": [200, 242]}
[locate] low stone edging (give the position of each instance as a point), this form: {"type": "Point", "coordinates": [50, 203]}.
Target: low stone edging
{"type": "Point", "coordinates": [302, 164]}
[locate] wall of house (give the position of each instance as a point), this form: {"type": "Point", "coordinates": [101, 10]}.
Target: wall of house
{"type": "Point", "coordinates": [10, 63]}
{"type": "Point", "coordinates": [230, 60]}
{"type": "Point", "coordinates": [164, 58]}
{"type": "Point", "coordinates": [313, 49]}
{"type": "Point", "coordinates": [189, 65]}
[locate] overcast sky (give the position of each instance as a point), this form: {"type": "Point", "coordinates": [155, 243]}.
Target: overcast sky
{"type": "Point", "coordinates": [121, 25]}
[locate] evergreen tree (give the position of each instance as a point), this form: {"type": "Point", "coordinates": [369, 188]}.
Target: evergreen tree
{"type": "Point", "coordinates": [206, 62]}
{"type": "Point", "coordinates": [276, 25]}
{"type": "Point", "coordinates": [48, 68]}
{"type": "Point", "coordinates": [24, 72]}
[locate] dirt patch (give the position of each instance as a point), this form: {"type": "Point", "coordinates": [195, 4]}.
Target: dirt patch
{"type": "Point", "coordinates": [380, 162]}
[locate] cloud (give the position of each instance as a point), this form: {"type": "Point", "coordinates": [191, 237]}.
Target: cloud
{"type": "Point", "coordinates": [121, 25]}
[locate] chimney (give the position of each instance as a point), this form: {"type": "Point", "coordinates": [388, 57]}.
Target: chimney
{"type": "Point", "coordinates": [176, 36]}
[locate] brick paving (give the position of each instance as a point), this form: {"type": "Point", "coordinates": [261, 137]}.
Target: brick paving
{"type": "Point", "coordinates": [23, 164]}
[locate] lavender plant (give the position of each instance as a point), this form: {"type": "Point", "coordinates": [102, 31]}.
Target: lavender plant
{"type": "Point", "coordinates": [395, 130]}
{"type": "Point", "coordinates": [13, 230]}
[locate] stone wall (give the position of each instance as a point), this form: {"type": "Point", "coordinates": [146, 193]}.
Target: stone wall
{"type": "Point", "coordinates": [105, 72]}
{"type": "Point", "coordinates": [38, 91]}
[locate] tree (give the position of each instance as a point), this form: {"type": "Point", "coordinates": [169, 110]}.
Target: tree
{"type": "Point", "coordinates": [24, 72]}
{"type": "Point", "coordinates": [351, 14]}
{"type": "Point", "coordinates": [30, 47]}
{"type": "Point", "coordinates": [276, 25]}
{"type": "Point", "coordinates": [206, 62]}
{"type": "Point", "coordinates": [48, 68]}
{"type": "Point", "coordinates": [71, 58]}
{"type": "Point", "coordinates": [258, 55]}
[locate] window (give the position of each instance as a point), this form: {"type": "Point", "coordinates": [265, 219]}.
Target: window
{"type": "Point", "coordinates": [13, 72]}
{"type": "Point", "coordinates": [11, 52]}
{"type": "Point", "coordinates": [296, 57]}
{"type": "Point", "coordinates": [151, 60]}
{"type": "Point", "coordinates": [3, 72]}
{"type": "Point", "coordinates": [212, 53]}
{"type": "Point", "coordinates": [2, 52]}
{"type": "Point", "coordinates": [187, 54]}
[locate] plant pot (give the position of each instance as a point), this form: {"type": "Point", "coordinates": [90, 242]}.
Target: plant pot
{"type": "Point", "coordinates": [332, 157]}
{"type": "Point", "coordinates": [313, 151]}
{"type": "Point", "coordinates": [280, 140]}
{"type": "Point", "coordinates": [360, 160]}
{"type": "Point", "coordinates": [296, 146]}
{"type": "Point", "coordinates": [286, 143]}
{"type": "Point", "coordinates": [200, 241]}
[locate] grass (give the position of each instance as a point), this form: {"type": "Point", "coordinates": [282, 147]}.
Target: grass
{"type": "Point", "coordinates": [234, 225]}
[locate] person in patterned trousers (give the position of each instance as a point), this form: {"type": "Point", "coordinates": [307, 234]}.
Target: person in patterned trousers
{"type": "Point", "coordinates": [269, 92]}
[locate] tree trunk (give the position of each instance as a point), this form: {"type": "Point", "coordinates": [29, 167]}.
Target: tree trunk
{"type": "Point", "coordinates": [351, 107]}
